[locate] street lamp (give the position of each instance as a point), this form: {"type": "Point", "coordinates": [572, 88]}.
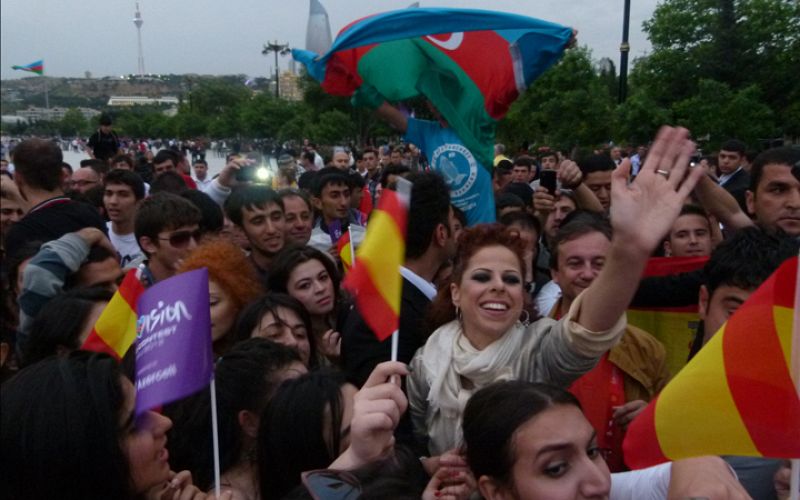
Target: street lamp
{"type": "Point", "coordinates": [624, 49]}
{"type": "Point", "coordinates": [277, 48]}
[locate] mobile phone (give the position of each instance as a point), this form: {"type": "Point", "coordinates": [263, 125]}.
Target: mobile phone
{"type": "Point", "coordinates": [547, 179]}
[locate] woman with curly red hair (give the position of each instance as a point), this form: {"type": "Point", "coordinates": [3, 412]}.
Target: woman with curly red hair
{"type": "Point", "coordinates": [485, 337]}
{"type": "Point", "coordinates": [232, 284]}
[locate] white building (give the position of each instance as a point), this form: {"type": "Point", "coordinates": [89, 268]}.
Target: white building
{"type": "Point", "coordinates": [33, 114]}
{"type": "Point", "coordinates": [136, 100]}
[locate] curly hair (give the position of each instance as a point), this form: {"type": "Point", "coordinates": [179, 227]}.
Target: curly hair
{"type": "Point", "coordinates": [229, 268]}
{"type": "Point", "coordinates": [470, 242]}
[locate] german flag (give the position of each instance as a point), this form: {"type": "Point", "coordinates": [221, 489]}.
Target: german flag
{"type": "Point", "coordinates": [736, 396]}
{"type": "Point", "coordinates": [375, 279]}
{"type": "Point", "coordinates": [115, 330]}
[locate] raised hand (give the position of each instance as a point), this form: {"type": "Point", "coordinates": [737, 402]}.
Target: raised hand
{"type": "Point", "coordinates": [643, 212]}
{"type": "Point", "coordinates": [378, 407]}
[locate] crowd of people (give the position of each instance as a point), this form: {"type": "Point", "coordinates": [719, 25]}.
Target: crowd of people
{"type": "Point", "coordinates": [516, 375]}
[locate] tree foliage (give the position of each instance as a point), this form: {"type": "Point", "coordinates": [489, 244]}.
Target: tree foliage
{"type": "Point", "coordinates": [569, 105]}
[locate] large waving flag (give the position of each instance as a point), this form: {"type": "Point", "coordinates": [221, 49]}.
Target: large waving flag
{"type": "Point", "coordinates": [115, 329]}
{"type": "Point", "coordinates": [674, 327]}
{"type": "Point", "coordinates": [471, 64]}
{"type": "Point", "coordinates": [375, 279]}
{"type": "Point", "coordinates": [34, 67]}
{"type": "Point", "coordinates": [737, 395]}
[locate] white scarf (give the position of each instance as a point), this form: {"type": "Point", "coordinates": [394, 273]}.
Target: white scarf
{"type": "Point", "coordinates": [447, 357]}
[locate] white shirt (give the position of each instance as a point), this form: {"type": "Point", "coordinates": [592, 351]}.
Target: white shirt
{"type": "Point", "coordinates": [202, 185]}
{"type": "Point", "coordinates": [724, 178]}
{"type": "Point", "coordinates": [126, 246]}
{"type": "Point", "coordinates": [424, 286]}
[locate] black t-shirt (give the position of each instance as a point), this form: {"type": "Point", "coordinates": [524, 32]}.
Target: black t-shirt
{"type": "Point", "coordinates": [104, 146]}
{"type": "Point", "coordinates": [51, 220]}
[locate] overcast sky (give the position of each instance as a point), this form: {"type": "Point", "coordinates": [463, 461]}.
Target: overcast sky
{"type": "Point", "coordinates": [225, 37]}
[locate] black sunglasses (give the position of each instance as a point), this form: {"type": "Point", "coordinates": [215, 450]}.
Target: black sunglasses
{"type": "Point", "coordinates": [326, 484]}
{"type": "Point", "coordinates": [180, 239]}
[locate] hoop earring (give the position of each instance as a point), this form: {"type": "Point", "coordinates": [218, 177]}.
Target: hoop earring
{"type": "Point", "coordinates": [458, 314]}
{"type": "Point", "coordinates": [527, 321]}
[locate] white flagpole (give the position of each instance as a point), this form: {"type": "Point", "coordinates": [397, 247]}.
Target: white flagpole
{"type": "Point", "coordinates": [215, 437]}
{"type": "Point", "coordinates": [352, 248]}
{"type": "Point", "coordinates": [794, 483]}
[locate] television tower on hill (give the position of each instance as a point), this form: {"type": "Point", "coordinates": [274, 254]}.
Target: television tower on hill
{"type": "Point", "coordinates": [138, 21]}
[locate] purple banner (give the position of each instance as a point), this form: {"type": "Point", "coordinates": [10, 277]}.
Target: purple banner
{"type": "Point", "coordinates": [173, 340]}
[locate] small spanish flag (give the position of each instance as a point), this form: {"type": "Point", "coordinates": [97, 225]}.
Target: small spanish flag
{"type": "Point", "coordinates": [375, 280]}
{"type": "Point", "coordinates": [737, 395]}
{"type": "Point", "coordinates": [115, 330]}
{"type": "Point", "coordinates": [344, 249]}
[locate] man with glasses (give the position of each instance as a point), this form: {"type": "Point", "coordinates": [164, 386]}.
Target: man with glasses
{"type": "Point", "coordinates": [167, 229]}
{"type": "Point", "coordinates": [84, 179]}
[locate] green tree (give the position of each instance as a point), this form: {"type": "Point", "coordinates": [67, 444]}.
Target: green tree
{"type": "Point", "coordinates": [333, 127]}
{"type": "Point", "coordinates": [73, 124]}
{"type": "Point", "coordinates": [569, 105]}
{"type": "Point", "coordinates": [739, 43]}
{"type": "Point", "coordinates": [639, 118]}
{"type": "Point", "coordinates": [717, 113]}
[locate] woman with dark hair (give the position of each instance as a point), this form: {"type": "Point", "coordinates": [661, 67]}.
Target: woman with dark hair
{"type": "Point", "coordinates": [311, 277]}
{"type": "Point", "coordinates": [282, 319]}
{"type": "Point", "coordinates": [232, 284]}
{"type": "Point", "coordinates": [68, 431]}
{"type": "Point", "coordinates": [319, 421]}
{"type": "Point", "coordinates": [319, 403]}
{"type": "Point", "coordinates": [64, 323]}
{"type": "Point", "coordinates": [483, 335]}
{"type": "Point", "coordinates": [246, 378]}
{"type": "Point", "coordinates": [529, 441]}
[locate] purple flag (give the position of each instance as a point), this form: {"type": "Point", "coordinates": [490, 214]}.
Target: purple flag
{"type": "Point", "coordinates": [173, 340]}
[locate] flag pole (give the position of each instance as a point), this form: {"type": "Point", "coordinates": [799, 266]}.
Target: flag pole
{"type": "Point", "coordinates": [352, 248]}
{"type": "Point", "coordinates": [215, 436]}
{"type": "Point", "coordinates": [794, 482]}
{"type": "Point", "coordinates": [46, 96]}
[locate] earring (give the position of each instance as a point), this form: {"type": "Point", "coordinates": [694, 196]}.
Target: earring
{"type": "Point", "coordinates": [458, 314]}
{"type": "Point", "coordinates": [527, 321]}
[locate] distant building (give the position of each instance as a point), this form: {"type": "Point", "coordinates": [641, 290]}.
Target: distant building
{"type": "Point", "coordinates": [290, 87]}
{"type": "Point", "coordinates": [33, 114]}
{"type": "Point", "coordinates": [135, 100]}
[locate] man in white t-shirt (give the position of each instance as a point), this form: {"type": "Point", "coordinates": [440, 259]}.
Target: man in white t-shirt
{"type": "Point", "coordinates": [123, 190]}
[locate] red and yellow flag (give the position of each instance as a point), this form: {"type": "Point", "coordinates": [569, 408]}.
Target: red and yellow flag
{"type": "Point", "coordinates": [674, 327]}
{"type": "Point", "coordinates": [344, 249]}
{"type": "Point", "coordinates": [375, 280]}
{"type": "Point", "coordinates": [115, 330]}
{"type": "Point", "coordinates": [736, 396]}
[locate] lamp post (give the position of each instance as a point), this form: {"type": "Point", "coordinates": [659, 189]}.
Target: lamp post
{"type": "Point", "coordinates": [624, 49]}
{"type": "Point", "coordinates": [277, 48]}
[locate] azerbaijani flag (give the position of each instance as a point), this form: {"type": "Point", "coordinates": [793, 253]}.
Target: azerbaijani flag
{"type": "Point", "coordinates": [115, 330]}
{"type": "Point", "coordinates": [343, 248]}
{"type": "Point", "coordinates": [34, 67]}
{"type": "Point", "coordinates": [375, 281]}
{"type": "Point", "coordinates": [736, 396]}
{"type": "Point", "coordinates": [471, 64]}
{"type": "Point", "coordinates": [674, 327]}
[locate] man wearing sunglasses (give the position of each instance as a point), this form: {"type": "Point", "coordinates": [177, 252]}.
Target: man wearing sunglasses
{"type": "Point", "coordinates": [167, 229]}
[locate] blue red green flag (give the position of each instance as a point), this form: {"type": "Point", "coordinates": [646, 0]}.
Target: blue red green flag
{"type": "Point", "coordinates": [471, 64]}
{"type": "Point", "coordinates": [34, 67]}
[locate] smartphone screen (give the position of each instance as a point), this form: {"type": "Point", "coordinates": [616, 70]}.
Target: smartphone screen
{"type": "Point", "coordinates": [548, 180]}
